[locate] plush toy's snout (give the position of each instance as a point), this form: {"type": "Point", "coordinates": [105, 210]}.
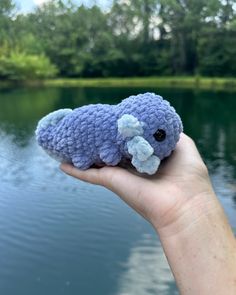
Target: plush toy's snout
{"type": "Point", "coordinates": [142, 152]}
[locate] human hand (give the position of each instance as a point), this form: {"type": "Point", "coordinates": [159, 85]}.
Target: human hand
{"type": "Point", "coordinates": [165, 199]}
{"type": "Point", "coordinates": [180, 203]}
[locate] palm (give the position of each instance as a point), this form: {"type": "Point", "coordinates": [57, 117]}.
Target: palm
{"type": "Point", "coordinates": [159, 197]}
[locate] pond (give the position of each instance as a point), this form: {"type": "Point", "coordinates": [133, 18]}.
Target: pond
{"type": "Point", "coordinates": [62, 236]}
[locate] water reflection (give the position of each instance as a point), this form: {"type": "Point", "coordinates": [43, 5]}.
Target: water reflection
{"type": "Point", "coordinates": [57, 234]}
{"type": "Point", "coordinates": [147, 270]}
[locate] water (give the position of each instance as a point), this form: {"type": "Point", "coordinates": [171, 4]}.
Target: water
{"type": "Point", "coordinates": [62, 236]}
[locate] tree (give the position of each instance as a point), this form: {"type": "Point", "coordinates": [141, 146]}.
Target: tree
{"type": "Point", "coordinates": [187, 20]}
{"type": "Point", "coordinates": [133, 38]}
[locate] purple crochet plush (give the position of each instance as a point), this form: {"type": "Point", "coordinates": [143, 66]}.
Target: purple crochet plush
{"type": "Point", "coordinates": [142, 128]}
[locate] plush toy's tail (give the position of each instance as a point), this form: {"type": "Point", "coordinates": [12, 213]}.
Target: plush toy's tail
{"type": "Point", "coordinates": [44, 132]}
{"type": "Point", "coordinates": [51, 120]}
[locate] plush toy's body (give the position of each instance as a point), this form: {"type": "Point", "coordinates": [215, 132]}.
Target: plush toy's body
{"type": "Point", "coordinates": [143, 128]}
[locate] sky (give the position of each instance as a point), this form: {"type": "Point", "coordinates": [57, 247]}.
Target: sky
{"type": "Point", "coordinates": [28, 5]}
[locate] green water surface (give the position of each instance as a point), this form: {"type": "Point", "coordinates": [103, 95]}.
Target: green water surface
{"type": "Point", "coordinates": [62, 236]}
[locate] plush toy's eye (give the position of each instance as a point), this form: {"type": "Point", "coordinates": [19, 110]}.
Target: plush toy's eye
{"type": "Point", "coordinates": [160, 135]}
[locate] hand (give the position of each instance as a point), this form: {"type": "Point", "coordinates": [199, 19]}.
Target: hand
{"type": "Point", "coordinates": [180, 203]}
{"type": "Point", "coordinates": [163, 199]}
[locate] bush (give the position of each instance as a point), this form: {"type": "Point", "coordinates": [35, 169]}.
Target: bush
{"type": "Point", "coordinates": [21, 66]}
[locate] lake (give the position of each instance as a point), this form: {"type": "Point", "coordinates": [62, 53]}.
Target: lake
{"type": "Point", "coordinates": [62, 236]}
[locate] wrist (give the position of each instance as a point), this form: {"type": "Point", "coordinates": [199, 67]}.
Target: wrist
{"type": "Point", "coordinates": [201, 248]}
{"type": "Point", "coordinates": [191, 215]}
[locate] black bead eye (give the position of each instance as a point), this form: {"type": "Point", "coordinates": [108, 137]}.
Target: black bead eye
{"type": "Point", "coordinates": [160, 135]}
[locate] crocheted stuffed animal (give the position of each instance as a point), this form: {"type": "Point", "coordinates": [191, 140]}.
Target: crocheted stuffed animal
{"type": "Point", "coordinates": [143, 128]}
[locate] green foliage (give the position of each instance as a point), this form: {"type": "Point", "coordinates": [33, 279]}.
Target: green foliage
{"type": "Point", "coordinates": [132, 38]}
{"type": "Point", "coordinates": [21, 66]}
{"type": "Point", "coordinates": [6, 7]}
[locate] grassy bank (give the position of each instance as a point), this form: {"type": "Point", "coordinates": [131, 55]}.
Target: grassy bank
{"type": "Point", "coordinates": [167, 82]}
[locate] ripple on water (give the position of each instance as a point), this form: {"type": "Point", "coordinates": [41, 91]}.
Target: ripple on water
{"type": "Point", "coordinates": [61, 236]}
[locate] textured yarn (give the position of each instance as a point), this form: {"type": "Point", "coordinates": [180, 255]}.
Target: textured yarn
{"type": "Point", "coordinates": [143, 128]}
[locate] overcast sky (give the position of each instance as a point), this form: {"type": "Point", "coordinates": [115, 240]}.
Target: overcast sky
{"type": "Point", "coordinates": [28, 5]}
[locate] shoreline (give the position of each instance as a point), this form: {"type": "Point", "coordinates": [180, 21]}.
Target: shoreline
{"type": "Point", "coordinates": [204, 83]}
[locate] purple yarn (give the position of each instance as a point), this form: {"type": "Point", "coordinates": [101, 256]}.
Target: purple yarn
{"type": "Point", "coordinates": [89, 135]}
